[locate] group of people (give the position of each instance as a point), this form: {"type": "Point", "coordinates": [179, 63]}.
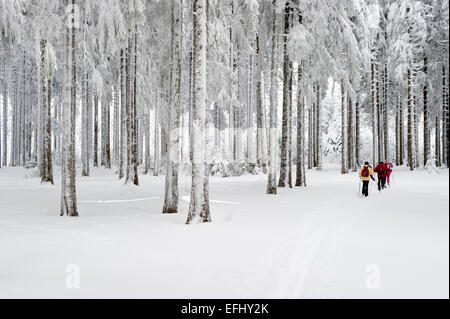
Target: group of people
{"type": "Point", "coordinates": [383, 170]}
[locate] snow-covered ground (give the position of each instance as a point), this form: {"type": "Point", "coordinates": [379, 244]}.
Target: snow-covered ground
{"type": "Point", "coordinates": [321, 242]}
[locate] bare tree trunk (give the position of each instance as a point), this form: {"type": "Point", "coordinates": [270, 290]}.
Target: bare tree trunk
{"type": "Point", "coordinates": [22, 115]}
{"type": "Point", "coordinates": [350, 155]}
{"type": "Point", "coordinates": [107, 132]}
{"type": "Point", "coordinates": [157, 139]}
{"type": "Point", "coordinates": [319, 130]}
{"type": "Point", "coordinates": [5, 119]}
{"type": "Point", "coordinates": [199, 204]}
{"type": "Point", "coordinates": [445, 121]}
{"type": "Point", "coordinates": [85, 129]}
{"type": "Point", "coordinates": [401, 134]}
{"type": "Point", "coordinates": [410, 123]}
{"type": "Point", "coordinates": [310, 139]}
{"type": "Point", "coordinates": [374, 106]}
{"type": "Point", "coordinates": [96, 130]}
{"type": "Point", "coordinates": [123, 118]}
{"type": "Point", "coordinates": [378, 120]}
{"type": "Point", "coordinates": [48, 137]}
{"type": "Point", "coordinates": [69, 200]}
{"type": "Point", "coordinates": [284, 161]}
{"type": "Point", "coordinates": [437, 147]}
{"type": "Point", "coordinates": [426, 130]}
{"type": "Point", "coordinates": [173, 155]}
{"type": "Point", "coordinates": [289, 144]}
{"type": "Point", "coordinates": [343, 162]}
{"type": "Point", "coordinates": [134, 115]}
{"type": "Point", "coordinates": [416, 135]}
{"type": "Point", "coordinates": [260, 112]}
{"type": "Point", "coordinates": [357, 133]}
{"type": "Point", "coordinates": [273, 133]}
{"type": "Point", "coordinates": [397, 133]}
{"type": "Point", "coordinates": [116, 128]}
{"type": "Point", "coordinates": [301, 174]}
{"type": "Point", "coordinates": [385, 113]}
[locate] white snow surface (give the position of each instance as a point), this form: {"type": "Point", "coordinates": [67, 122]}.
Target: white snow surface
{"type": "Point", "coordinates": [325, 241]}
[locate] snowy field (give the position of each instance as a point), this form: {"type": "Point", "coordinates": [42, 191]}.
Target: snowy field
{"type": "Point", "coordinates": [321, 242]}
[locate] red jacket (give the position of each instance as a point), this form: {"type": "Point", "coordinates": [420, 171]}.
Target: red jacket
{"type": "Point", "coordinates": [382, 170]}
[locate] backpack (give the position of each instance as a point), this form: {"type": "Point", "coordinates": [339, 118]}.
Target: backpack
{"type": "Point", "coordinates": [365, 172]}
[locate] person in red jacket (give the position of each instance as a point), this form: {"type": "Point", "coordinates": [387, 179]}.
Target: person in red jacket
{"type": "Point", "coordinates": [390, 166]}
{"type": "Point", "coordinates": [382, 172]}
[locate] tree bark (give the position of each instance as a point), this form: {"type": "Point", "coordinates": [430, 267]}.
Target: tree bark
{"type": "Point", "coordinates": [426, 130]}
{"type": "Point", "coordinates": [173, 156]}
{"type": "Point", "coordinates": [301, 174]}
{"type": "Point", "coordinates": [273, 133]}
{"type": "Point", "coordinates": [199, 203]}
{"type": "Point", "coordinates": [410, 124]}
{"type": "Point", "coordinates": [284, 160]}
{"type": "Point", "coordinates": [68, 188]}
{"type": "Point", "coordinates": [343, 144]}
{"type": "Point", "coordinates": [357, 132]}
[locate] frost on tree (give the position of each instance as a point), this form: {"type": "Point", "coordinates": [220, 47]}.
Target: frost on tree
{"type": "Point", "coordinates": [173, 143]}
{"type": "Point", "coordinates": [68, 187]}
{"type": "Point", "coordinates": [199, 203]}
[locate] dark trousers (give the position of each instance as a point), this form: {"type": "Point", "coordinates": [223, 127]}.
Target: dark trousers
{"type": "Point", "coordinates": [365, 188]}
{"type": "Point", "coordinates": [381, 183]}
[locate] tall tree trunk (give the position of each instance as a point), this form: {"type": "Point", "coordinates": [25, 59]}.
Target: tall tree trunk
{"type": "Point", "coordinates": [123, 117]}
{"type": "Point", "coordinates": [402, 133]}
{"type": "Point", "coordinates": [134, 115]}
{"type": "Point", "coordinates": [437, 147]}
{"type": "Point", "coordinates": [68, 188]}
{"type": "Point", "coordinates": [416, 134]}
{"type": "Point", "coordinates": [273, 133]}
{"type": "Point", "coordinates": [343, 144]}
{"type": "Point", "coordinates": [260, 111]}
{"type": "Point", "coordinates": [284, 161]}
{"type": "Point", "coordinates": [426, 130]}
{"type": "Point", "coordinates": [173, 156]}
{"type": "Point", "coordinates": [374, 107]}
{"type": "Point", "coordinates": [107, 132]}
{"type": "Point", "coordinates": [410, 123]}
{"type": "Point", "coordinates": [357, 132]}
{"type": "Point", "coordinates": [397, 133]}
{"type": "Point", "coordinates": [5, 118]}
{"type": "Point", "coordinates": [378, 120]}
{"type": "Point", "coordinates": [199, 203]}
{"type": "Point", "coordinates": [310, 139]}
{"type": "Point", "coordinates": [157, 139]}
{"type": "Point", "coordinates": [96, 130]}
{"type": "Point", "coordinates": [301, 174]}
{"type": "Point", "coordinates": [385, 113]}
{"type": "Point", "coordinates": [116, 121]}
{"type": "Point", "coordinates": [46, 154]}
{"type": "Point", "coordinates": [445, 120]}
{"type": "Point", "coordinates": [85, 145]}
{"type": "Point", "coordinates": [350, 156]}
{"type": "Point", "coordinates": [48, 136]}
{"type": "Point", "coordinates": [22, 115]}
{"type": "Point", "coordinates": [289, 143]}
{"type": "Point", "coordinates": [319, 129]}
{"type": "Point", "coordinates": [42, 112]}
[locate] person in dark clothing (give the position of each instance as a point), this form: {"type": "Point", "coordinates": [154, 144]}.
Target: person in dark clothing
{"type": "Point", "coordinates": [366, 173]}
{"type": "Point", "coordinates": [382, 172]}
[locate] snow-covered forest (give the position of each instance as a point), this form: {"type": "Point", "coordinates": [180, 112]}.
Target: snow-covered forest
{"type": "Point", "coordinates": [211, 109]}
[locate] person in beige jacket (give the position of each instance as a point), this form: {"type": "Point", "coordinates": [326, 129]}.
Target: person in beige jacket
{"type": "Point", "coordinates": [366, 173]}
